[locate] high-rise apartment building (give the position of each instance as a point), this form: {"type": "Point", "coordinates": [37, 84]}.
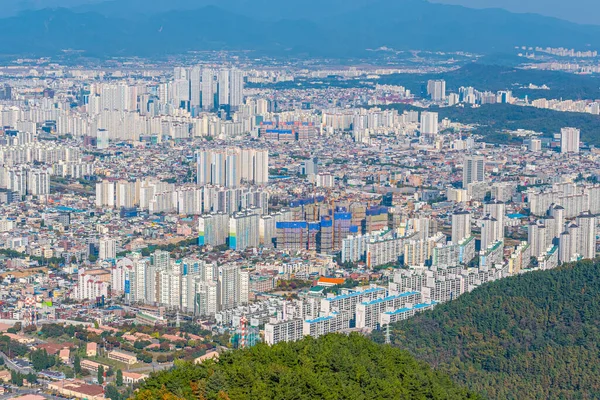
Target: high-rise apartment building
{"type": "Point", "coordinates": [38, 182]}
{"type": "Point", "coordinates": [208, 89]}
{"type": "Point", "coordinates": [236, 88]}
{"type": "Point", "coordinates": [223, 82]}
{"type": "Point", "coordinates": [228, 286]}
{"type": "Point", "coordinates": [496, 209]}
{"type": "Point", "coordinates": [229, 167]}
{"type": "Point", "coordinates": [489, 230]}
{"type": "Point", "coordinates": [195, 88]}
{"type": "Point", "coordinates": [213, 229]}
{"type": "Point", "coordinates": [125, 194]}
{"type": "Point", "coordinates": [587, 235]}
{"type": "Point", "coordinates": [473, 170]}
{"type": "Point", "coordinates": [429, 123]}
{"type": "Point", "coordinates": [105, 194]}
{"type": "Point", "coordinates": [558, 213]}
{"type": "Point", "coordinates": [107, 249]}
{"type": "Point", "coordinates": [569, 140]}
{"type": "Point", "coordinates": [536, 236]}
{"type": "Point", "coordinates": [436, 89]}
{"type": "Point", "coordinates": [244, 230]}
{"type": "Point", "coordinates": [461, 226]}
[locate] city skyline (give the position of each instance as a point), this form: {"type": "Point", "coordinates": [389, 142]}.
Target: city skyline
{"type": "Point", "coordinates": [262, 207]}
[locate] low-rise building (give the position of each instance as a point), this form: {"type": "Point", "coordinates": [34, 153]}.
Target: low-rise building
{"type": "Point", "coordinates": [125, 358]}
{"type": "Point", "coordinates": [77, 389]}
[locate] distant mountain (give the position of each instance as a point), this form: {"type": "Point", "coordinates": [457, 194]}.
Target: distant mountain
{"type": "Point", "coordinates": [13, 7]}
{"type": "Point", "coordinates": [580, 11]}
{"type": "Point", "coordinates": [287, 28]}
{"type": "Point", "coordinates": [259, 9]}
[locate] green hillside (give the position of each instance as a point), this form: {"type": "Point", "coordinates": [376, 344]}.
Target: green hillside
{"type": "Point", "coordinates": [331, 367]}
{"type": "Point", "coordinates": [535, 336]}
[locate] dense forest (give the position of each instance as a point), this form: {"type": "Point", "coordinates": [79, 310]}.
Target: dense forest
{"type": "Point", "coordinates": [331, 367]}
{"type": "Point", "coordinates": [483, 77]}
{"type": "Point", "coordinates": [494, 119]}
{"type": "Point", "coordinates": [535, 336]}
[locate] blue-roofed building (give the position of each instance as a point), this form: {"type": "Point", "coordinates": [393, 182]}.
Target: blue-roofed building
{"type": "Point", "coordinates": [348, 301]}
{"type": "Point", "coordinates": [334, 322]}
{"type": "Point", "coordinates": [368, 313]}
{"type": "Point", "coordinates": [389, 317]}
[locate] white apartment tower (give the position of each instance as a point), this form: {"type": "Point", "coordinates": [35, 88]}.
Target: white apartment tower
{"type": "Point", "coordinates": [461, 226]}
{"type": "Point", "coordinates": [107, 249]}
{"type": "Point", "coordinates": [208, 89]}
{"type": "Point", "coordinates": [587, 235]}
{"type": "Point", "coordinates": [489, 230]}
{"type": "Point", "coordinates": [38, 182]}
{"type": "Point", "coordinates": [496, 209]}
{"type": "Point", "coordinates": [436, 89]}
{"type": "Point", "coordinates": [473, 170]}
{"type": "Point", "coordinates": [429, 123]}
{"type": "Point", "coordinates": [105, 194]}
{"type": "Point", "coordinates": [228, 286]}
{"type": "Point", "coordinates": [569, 140]}
{"type": "Point", "coordinates": [229, 167]}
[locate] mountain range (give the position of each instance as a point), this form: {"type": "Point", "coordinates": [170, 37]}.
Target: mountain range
{"type": "Point", "coordinates": [333, 28]}
{"type": "Point", "coordinates": [580, 11]}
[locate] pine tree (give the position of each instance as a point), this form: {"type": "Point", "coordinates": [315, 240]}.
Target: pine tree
{"type": "Point", "coordinates": [100, 375]}
{"type": "Point", "coordinates": [77, 364]}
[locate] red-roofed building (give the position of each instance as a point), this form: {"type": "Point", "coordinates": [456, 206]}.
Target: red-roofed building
{"type": "Point", "coordinates": [77, 388]}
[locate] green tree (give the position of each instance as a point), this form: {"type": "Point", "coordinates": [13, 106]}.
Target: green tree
{"type": "Point", "coordinates": [16, 378]}
{"type": "Point", "coordinates": [119, 378]}
{"type": "Point", "coordinates": [77, 364]}
{"type": "Point", "coordinates": [40, 359]}
{"type": "Point", "coordinates": [506, 340]}
{"type": "Point", "coordinates": [31, 378]}
{"type": "Point", "coordinates": [100, 375]}
{"type": "Point", "coordinates": [111, 392]}
{"type": "Point", "coordinates": [331, 367]}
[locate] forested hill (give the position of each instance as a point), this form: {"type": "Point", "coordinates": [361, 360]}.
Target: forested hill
{"type": "Point", "coordinates": [331, 367]}
{"type": "Point", "coordinates": [535, 336]}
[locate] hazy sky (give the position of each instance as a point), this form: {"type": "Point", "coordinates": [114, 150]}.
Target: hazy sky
{"type": "Point", "coordinates": [581, 11]}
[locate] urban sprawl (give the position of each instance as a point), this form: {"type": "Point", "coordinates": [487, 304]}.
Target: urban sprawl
{"type": "Point", "coordinates": [158, 213]}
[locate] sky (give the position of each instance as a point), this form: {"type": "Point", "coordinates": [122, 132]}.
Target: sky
{"type": "Point", "coordinates": [580, 11]}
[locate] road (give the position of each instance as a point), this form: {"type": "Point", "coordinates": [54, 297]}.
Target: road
{"type": "Point", "coordinates": [17, 391]}
{"type": "Point", "coordinates": [151, 368]}
{"type": "Point", "coordinates": [12, 366]}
